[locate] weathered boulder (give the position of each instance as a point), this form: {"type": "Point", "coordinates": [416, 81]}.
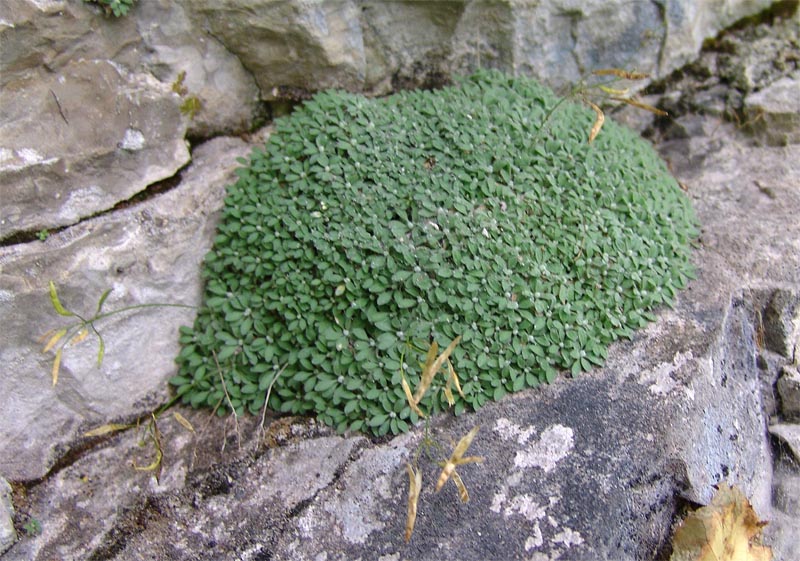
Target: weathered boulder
{"type": "Point", "coordinates": [146, 253]}
{"type": "Point", "coordinates": [80, 140]}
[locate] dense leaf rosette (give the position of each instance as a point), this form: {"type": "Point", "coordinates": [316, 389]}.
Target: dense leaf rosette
{"type": "Point", "coordinates": [366, 229]}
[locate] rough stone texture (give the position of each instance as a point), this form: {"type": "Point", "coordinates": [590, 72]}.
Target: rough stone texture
{"type": "Point", "coordinates": [150, 253]}
{"type": "Point", "coordinates": [8, 535]}
{"type": "Point", "coordinates": [172, 43]}
{"type": "Point", "coordinates": [789, 392]}
{"type": "Point", "coordinates": [774, 112]}
{"type": "Point", "coordinates": [790, 435]}
{"type": "Point", "coordinates": [784, 525]}
{"type": "Point", "coordinates": [81, 140]}
{"type": "Point", "coordinates": [782, 322]}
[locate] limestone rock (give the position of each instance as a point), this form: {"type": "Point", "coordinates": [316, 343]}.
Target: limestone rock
{"type": "Point", "coordinates": [43, 37]}
{"type": "Point", "coordinates": [290, 46]}
{"type": "Point", "coordinates": [789, 434]}
{"type": "Point", "coordinates": [789, 392]}
{"type": "Point", "coordinates": [774, 112]}
{"type": "Point", "coordinates": [174, 44]}
{"type": "Point", "coordinates": [146, 253]}
{"type": "Point", "coordinates": [79, 141]}
{"type": "Point", "coordinates": [8, 535]}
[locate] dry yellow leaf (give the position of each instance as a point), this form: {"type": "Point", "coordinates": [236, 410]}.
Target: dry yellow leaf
{"type": "Point", "coordinates": [105, 429]}
{"type": "Point", "coordinates": [414, 487]}
{"type": "Point", "coordinates": [79, 336]}
{"type": "Point", "coordinates": [614, 91]}
{"type": "Point", "coordinates": [462, 489]}
{"type": "Point", "coordinates": [183, 421]}
{"type": "Point", "coordinates": [619, 73]}
{"type": "Point", "coordinates": [454, 377]}
{"type": "Point", "coordinates": [457, 459]}
{"type": "Point", "coordinates": [409, 397]}
{"type": "Point", "coordinates": [725, 530]}
{"type": "Point", "coordinates": [638, 104]}
{"type": "Point", "coordinates": [54, 339]}
{"type": "Point", "coordinates": [598, 122]}
{"type": "Point", "coordinates": [433, 366]}
{"type": "Point", "coordinates": [56, 366]}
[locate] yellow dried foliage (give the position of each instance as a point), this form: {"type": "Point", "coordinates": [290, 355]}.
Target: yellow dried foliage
{"type": "Point", "coordinates": [638, 104]}
{"type": "Point", "coordinates": [183, 421]}
{"type": "Point", "coordinates": [619, 73]}
{"type": "Point", "coordinates": [457, 458]}
{"type": "Point", "coordinates": [106, 429]}
{"type": "Point", "coordinates": [414, 487]}
{"type": "Point", "coordinates": [728, 529]}
{"type": "Point", "coordinates": [598, 122]}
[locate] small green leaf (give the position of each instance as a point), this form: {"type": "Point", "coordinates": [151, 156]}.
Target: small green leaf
{"type": "Point", "coordinates": [60, 310]}
{"type": "Point", "coordinates": [102, 301]}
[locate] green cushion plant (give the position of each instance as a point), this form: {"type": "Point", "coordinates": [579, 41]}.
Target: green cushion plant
{"type": "Point", "coordinates": [366, 229]}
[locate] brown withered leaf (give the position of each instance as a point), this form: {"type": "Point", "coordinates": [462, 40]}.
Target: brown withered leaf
{"type": "Point", "coordinates": [457, 458]}
{"type": "Point", "coordinates": [728, 529]}
{"type": "Point", "coordinates": [414, 487]}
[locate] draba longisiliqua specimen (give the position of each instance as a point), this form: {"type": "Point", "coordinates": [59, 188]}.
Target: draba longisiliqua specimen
{"type": "Point", "coordinates": [367, 229]}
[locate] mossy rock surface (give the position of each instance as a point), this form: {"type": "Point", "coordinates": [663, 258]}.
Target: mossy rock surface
{"type": "Point", "coordinates": [366, 229]}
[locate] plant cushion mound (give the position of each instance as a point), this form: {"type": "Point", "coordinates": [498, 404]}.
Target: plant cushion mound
{"type": "Point", "coordinates": [366, 229]}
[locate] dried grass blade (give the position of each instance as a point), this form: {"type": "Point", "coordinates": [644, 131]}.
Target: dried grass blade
{"type": "Point", "coordinates": [454, 376]}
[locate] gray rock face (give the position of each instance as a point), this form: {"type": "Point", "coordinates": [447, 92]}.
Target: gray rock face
{"type": "Point", "coordinates": [174, 43]}
{"type": "Point", "coordinates": [789, 392]}
{"type": "Point", "coordinates": [149, 253]}
{"type": "Point", "coordinates": [79, 141]}
{"type": "Point", "coordinates": [8, 535]}
{"type": "Point", "coordinates": [774, 112]}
